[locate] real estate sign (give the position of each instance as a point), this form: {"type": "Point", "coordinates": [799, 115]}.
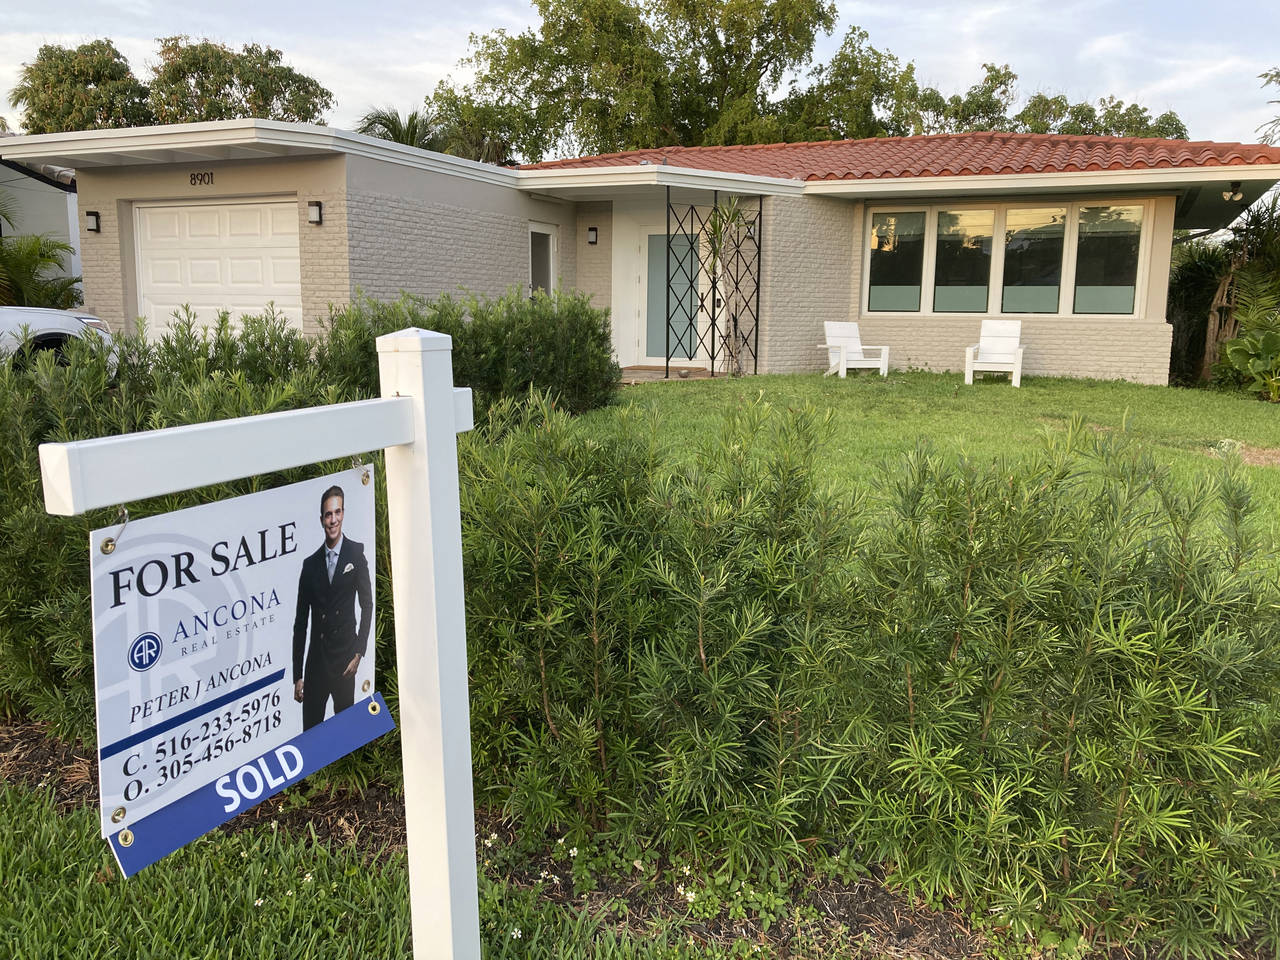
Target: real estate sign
{"type": "Point", "coordinates": [233, 655]}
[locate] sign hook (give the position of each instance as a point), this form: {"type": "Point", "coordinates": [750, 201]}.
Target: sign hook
{"type": "Point", "coordinates": [109, 544]}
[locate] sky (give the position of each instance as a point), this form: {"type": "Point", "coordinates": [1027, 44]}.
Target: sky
{"type": "Point", "coordinates": [1200, 59]}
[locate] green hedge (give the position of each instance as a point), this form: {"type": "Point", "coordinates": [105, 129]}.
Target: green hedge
{"type": "Point", "coordinates": [557, 344]}
{"type": "Point", "coordinates": [192, 374]}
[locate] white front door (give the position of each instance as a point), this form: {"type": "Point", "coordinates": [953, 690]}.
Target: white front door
{"type": "Point", "coordinates": [236, 255]}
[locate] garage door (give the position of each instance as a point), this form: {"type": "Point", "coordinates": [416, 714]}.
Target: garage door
{"type": "Point", "coordinates": [232, 255]}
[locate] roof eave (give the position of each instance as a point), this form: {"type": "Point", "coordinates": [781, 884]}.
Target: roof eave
{"type": "Point", "coordinates": [568, 182]}
{"type": "Point", "coordinates": [223, 140]}
{"type": "Point", "coordinates": [1154, 178]}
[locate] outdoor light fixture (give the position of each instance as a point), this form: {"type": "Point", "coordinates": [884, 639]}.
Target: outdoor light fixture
{"type": "Point", "coordinates": [593, 236]}
{"type": "Point", "coordinates": [315, 212]}
{"type": "Point", "coordinates": [1234, 193]}
{"type": "Point", "coordinates": [92, 222]}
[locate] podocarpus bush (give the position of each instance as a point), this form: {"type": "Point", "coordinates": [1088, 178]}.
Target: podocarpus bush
{"type": "Point", "coordinates": [188, 376]}
{"type": "Point", "coordinates": [558, 344]}
{"type": "Point", "coordinates": [1047, 687]}
{"type": "Point", "coordinates": [191, 374]}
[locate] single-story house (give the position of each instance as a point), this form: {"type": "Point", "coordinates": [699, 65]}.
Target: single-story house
{"type": "Point", "coordinates": [703, 255]}
{"type": "Point", "coordinates": [43, 197]}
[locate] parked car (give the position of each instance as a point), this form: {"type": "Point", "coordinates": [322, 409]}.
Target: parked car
{"type": "Point", "coordinates": [48, 329]}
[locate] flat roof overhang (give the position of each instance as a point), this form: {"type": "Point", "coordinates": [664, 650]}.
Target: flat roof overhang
{"type": "Point", "coordinates": [650, 181]}
{"type": "Point", "coordinates": [222, 140]}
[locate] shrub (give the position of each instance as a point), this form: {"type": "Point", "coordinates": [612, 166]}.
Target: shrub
{"type": "Point", "coordinates": [1048, 688]}
{"type": "Point", "coordinates": [557, 344]}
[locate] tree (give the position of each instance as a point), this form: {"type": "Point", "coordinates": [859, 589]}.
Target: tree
{"type": "Point", "coordinates": [416, 129]}
{"type": "Point", "coordinates": [28, 273]}
{"type": "Point", "coordinates": [598, 76]}
{"type": "Point", "coordinates": [1111, 118]}
{"type": "Point", "coordinates": [88, 87]}
{"type": "Point", "coordinates": [202, 80]}
{"type": "Point", "coordinates": [1271, 131]}
{"type": "Point", "coordinates": [484, 132]}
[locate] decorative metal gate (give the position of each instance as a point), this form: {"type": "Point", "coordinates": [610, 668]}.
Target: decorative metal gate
{"type": "Point", "coordinates": [713, 283]}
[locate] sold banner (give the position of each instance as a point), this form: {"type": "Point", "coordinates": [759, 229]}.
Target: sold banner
{"type": "Point", "coordinates": [233, 655]}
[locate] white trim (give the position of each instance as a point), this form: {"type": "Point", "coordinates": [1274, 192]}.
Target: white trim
{"type": "Point", "coordinates": [552, 232]}
{"type": "Point", "coordinates": [261, 138]}
{"type": "Point", "coordinates": [584, 178]}
{"type": "Point", "coordinates": [995, 289]}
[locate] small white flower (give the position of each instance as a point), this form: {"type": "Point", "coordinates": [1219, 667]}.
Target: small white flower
{"type": "Point", "coordinates": [685, 870]}
{"type": "Point", "coordinates": [690, 896]}
{"type": "Point", "coordinates": [516, 934]}
{"type": "Point", "coordinates": [288, 893]}
{"type": "Point", "coordinates": [573, 851]}
{"type": "Point", "coordinates": [488, 842]}
{"type": "Point", "coordinates": [307, 878]}
{"type": "Point", "coordinates": [258, 902]}
{"type": "Point", "coordinates": [244, 855]}
{"type": "Point", "coordinates": [543, 875]}
{"type": "Point", "coordinates": [560, 842]}
{"type": "Point", "coordinates": [680, 889]}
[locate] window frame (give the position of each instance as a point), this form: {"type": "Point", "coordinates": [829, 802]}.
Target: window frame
{"type": "Point", "coordinates": [995, 287]}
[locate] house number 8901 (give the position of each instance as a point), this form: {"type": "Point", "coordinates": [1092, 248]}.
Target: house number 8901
{"type": "Point", "coordinates": [202, 179]}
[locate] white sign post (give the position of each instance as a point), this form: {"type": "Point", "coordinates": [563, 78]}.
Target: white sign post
{"type": "Point", "coordinates": [416, 421]}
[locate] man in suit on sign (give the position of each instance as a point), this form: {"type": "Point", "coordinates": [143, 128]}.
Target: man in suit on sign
{"type": "Point", "coordinates": [332, 580]}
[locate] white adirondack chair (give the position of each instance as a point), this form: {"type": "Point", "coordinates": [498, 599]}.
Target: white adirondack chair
{"type": "Point", "coordinates": [998, 349]}
{"type": "Point", "coordinates": [845, 350]}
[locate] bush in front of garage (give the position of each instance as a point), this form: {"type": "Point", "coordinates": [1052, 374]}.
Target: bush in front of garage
{"type": "Point", "coordinates": [194, 374]}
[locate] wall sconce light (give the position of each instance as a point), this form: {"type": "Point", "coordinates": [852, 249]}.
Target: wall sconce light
{"type": "Point", "coordinates": [1234, 194]}
{"type": "Point", "coordinates": [315, 212]}
{"type": "Point", "coordinates": [593, 235]}
{"type": "Point", "coordinates": [92, 222]}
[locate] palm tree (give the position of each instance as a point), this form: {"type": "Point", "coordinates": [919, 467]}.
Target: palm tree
{"type": "Point", "coordinates": [8, 210]}
{"type": "Point", "coordinates": [26, 265]}
{"type": "Point", "coordinates": [416, 129]}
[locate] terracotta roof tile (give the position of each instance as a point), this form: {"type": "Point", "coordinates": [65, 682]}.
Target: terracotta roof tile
{"type": "Point", "coordinates": [942, 155]}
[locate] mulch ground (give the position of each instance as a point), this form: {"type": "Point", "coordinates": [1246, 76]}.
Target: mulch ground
{"type": "Point", "coordinates": [865, 917]}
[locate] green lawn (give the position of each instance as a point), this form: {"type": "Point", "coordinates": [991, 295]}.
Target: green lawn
{"type": "Point", "coordinates": [877, 419]}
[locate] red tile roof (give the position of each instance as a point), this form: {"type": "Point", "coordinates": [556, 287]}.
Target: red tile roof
{"type": "Point", "coordinates": [942, 155]}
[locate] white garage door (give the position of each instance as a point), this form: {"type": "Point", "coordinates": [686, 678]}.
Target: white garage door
{"type": "Point", "coordinates": [232, 255]}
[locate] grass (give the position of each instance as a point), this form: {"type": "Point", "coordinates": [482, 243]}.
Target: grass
{"type": "Point", "coordinates": [877, 419]}
{"type": "Point", "coordinates": [259, 893]}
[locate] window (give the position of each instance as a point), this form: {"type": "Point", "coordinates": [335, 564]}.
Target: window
{"type": "Point", "coordinates": [962, 269]}
{"type": "Point", "coordinates": [1081, 258]}
{"type": "Point", "coordinates": [1107, 259]}
{"type": "Point", "coordinates": [1033, 259]}
{"type": "Point", "coordinates": [897, 261]}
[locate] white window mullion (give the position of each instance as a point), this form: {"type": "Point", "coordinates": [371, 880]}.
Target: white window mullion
{"type": "Point", "coordinates": [995, 295]}
{"type": "Point", "coordinates": [1070, 238]}
{"type": "Point", "coordinates": [930, 260]}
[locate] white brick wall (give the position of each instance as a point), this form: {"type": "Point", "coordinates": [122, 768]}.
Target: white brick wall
{"type": "Point", "coordinates": [1114, 349]}
{"type": "Point", "coordinates": [322, 251]}
{"type": "Point", "coordinates": [103, 273]}
{"type": "Point", "coordinates": [595, 263]}
{"type": "Point", "coordinates": [405, 243]}
{"type": "Point", "coordinates": [807, 277]}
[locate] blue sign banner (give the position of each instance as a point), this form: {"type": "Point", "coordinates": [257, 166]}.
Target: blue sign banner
{"type": "Point", "coordinates": [164, 831]}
